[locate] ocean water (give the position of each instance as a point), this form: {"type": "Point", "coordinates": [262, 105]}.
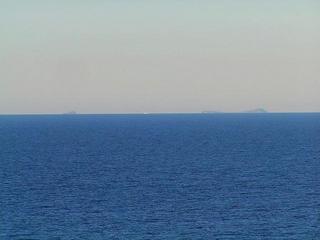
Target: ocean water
{"type": "Point", "coordinates": [200, 176]}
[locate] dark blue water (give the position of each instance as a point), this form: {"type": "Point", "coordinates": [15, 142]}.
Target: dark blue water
{"type": "Point", "coordinates": [205, 176]}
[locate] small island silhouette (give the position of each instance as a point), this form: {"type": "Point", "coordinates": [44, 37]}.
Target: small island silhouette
{"type": "Point", "coordinates": [70, 113]}
{"type": "Point", "coordinates": [256, 110]}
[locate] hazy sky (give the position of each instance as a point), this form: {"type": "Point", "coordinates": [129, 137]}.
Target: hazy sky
{"type": "Point", "coordinates": [114, 56]}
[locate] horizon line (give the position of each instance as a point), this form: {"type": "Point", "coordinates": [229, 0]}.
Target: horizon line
{"type": "Point", "coordinates": [155, 113]}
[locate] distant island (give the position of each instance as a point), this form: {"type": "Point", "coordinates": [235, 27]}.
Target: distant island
{"type": "Point", "coordinates": [70, 113]}
{"type": "Point", "coordinates": [211, 112]}
{"type": "Point", "coordinates": [257, 110]}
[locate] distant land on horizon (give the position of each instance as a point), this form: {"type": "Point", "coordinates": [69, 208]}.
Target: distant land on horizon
{"type": "Point", "coordinates": [256, 110]}
{"type": "Point", "coordinates": [253, 111]}
{"type": "Point", "coordinates": [70, 113]}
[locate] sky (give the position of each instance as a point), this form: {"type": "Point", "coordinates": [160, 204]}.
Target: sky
{"type": "Point", "coordinates": [135, 56]}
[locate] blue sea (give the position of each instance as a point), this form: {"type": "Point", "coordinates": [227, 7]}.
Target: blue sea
{"type": "Point", "coordinates": [166, 176]}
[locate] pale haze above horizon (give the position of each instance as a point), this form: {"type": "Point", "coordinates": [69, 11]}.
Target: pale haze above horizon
{"type": "Point", "coordinates": [136, 56]}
